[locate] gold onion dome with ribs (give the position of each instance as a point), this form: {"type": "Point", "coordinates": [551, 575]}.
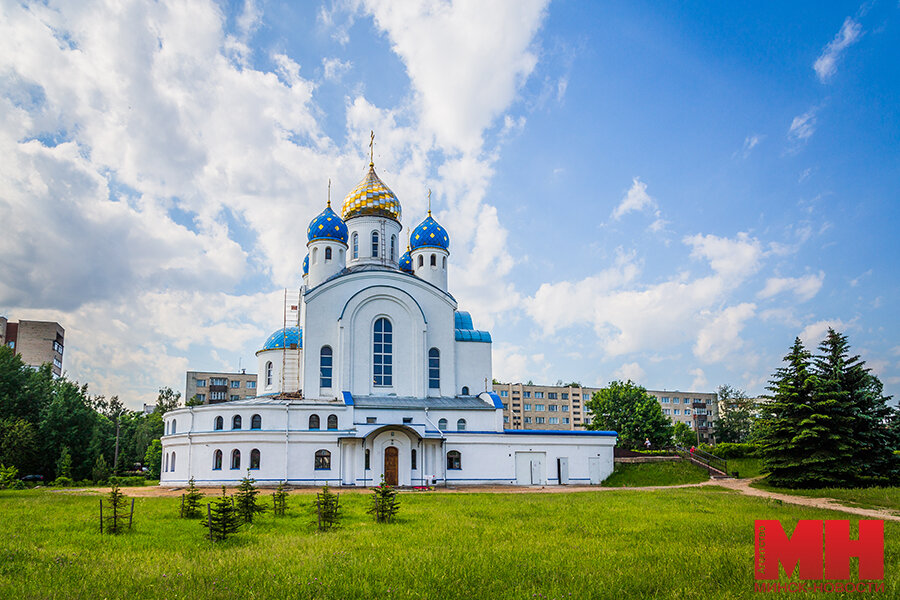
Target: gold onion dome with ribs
{"type": "Point", "coordinates": [371, 197]}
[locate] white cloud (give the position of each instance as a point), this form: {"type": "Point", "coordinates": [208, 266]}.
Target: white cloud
{"type": "Point", "coordinates": [802, 127]}
{"type": "Point", "coordinates": [334, 68]}
{"type": "Point", "coordinates": [826, 65]}
{"type": "Point", "coordinates": [632, 371]}
{"type": "Point", "coordinates": [635, 199]}
{"type": "Point", "coordinates": [733, 259]}
{"type": "Point", "coordinates": [721, 334]}
{"type": "Point", "coordinates": [814, 333]}
{"type": "Point", "coordinates": [750, 142]}
{"type": "Point", "coordinates": [513, 364]}
{"type": "Point", "coordinates": [699, 382]}
{"type": "Point", "coordinates": [805, 288]}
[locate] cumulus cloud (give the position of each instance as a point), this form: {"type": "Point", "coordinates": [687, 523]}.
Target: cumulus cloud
{"type": "Point", "coordinates": [333, 68]}
{"type": "Point", "coordinates": [636, 199]}
{"type": "Point", "coordinates": [632, 371]}
{"type": "Point", "coordinates": [720, 336]}
{"type": "Point", "coordinates": [814, 333]}
{"type": "Point", "coordinates": [804, 288]}
{"type": "Point", "coordinates": [699, 382]}
{"type": "Point", "coordinates": [826, 65]}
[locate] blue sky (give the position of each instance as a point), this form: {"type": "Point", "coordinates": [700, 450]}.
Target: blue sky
{"type": "Point", "coordinates": [664, 193]}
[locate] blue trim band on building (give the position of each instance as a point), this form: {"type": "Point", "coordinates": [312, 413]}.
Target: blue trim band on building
{"type": "Point", "coordinates": [348, 398]}
{"type": "Point", "coordinates": [555, 432]}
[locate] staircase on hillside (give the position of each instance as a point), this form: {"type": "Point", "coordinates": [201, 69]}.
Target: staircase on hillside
{"type": "Point", "coordinates": [717, 467]}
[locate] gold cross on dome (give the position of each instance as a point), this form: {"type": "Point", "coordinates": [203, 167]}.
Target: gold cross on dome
{"type": "Point", "coordinates": [429, 202]}
{"type": "Point", "coordinates": [371, 147]}
{"type": "Point", "coordinates": [329, 192]}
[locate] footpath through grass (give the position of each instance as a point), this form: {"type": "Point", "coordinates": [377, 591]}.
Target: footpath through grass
{"type": "Point", "coordinates": [875, 497]}
{"type": "Point", "coordinates": [675, 543]}
{"type": "Point", "coordinates": [668, 472]}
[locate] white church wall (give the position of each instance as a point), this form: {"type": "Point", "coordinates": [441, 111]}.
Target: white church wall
{"type": "Point", "coordinates": [473, 367]}
{"type": "Point", "coordinates": [364, 226]}
{"type": "Point", "coordinates": [287, 360]}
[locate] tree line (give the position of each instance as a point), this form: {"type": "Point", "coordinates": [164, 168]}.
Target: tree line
{"type": "Point", "coordinates": [54, 427]}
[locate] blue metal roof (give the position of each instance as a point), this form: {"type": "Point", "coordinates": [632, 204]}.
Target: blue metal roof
{"type": "Point", "coordinates": [558, 432]}
{"type": "Point", "coordinates": [327, 226]}
{"type": "Point", "coordinates": [465, 330]}
{"type": "Point", "coordinates": [464, 402]}
{"type": "Point", "coordinates": [284, 338]}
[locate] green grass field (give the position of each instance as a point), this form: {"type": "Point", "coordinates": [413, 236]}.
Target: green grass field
{"type": "Point", "coordinates": [674, 543]}
{"type": "Point", "coordinates": [669, 472]}
{"type": "Point", "coordinates": [746, 467]}
{"type": "Point", "coordinates": [876, 497]}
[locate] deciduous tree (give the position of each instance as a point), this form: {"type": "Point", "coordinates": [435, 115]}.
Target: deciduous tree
{"type": "Point", "coordinates": [634, 414]}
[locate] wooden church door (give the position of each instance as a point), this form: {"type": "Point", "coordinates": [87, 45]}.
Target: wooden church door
{"type": "Point", "coordinates": [390, 465]}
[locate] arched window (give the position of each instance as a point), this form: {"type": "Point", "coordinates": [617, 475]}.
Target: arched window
{"type": "Point", "coordinates": [412, 459]}
{"type": "Point", "coordinates": [172, 464]}
{"type": "Point", "coordinates": [254, 459]}
{"type": "Point", "coordinates": [433, 260]}
{"type": "Point", "coordinates": [323, 460]}
{"type": "Point", "coordinates": [421, 260]}
{"type": "Point", "coordinates": [235, 459]}
{"type": "Point", "coordinates": [382, 353]}
{"type": "Point", "coordinates": [444, 262]}
{"type": "Point", "coordinates": [461, 425]}
{"type": "Point", "coordinates": [314, 421]}
{"type": "Point", "coordinates": [454, 460]}
{"type": "Point", "coordinates": [434, 369]}
{"type": "Point", "coordinates": [269, 373]}
{"type": "Point", "coordinates": [332, 421]}
{"type": "Point", "coordinates": [166, 466]}
{"type": "Point", "coordinates": [374, 244]}
{"type": "Point", "coordinates": [328, 253]}
{"type": "Point", "coordinates": [355, 245]}
{"type": "Point", "coordinates": [315, 255]}
{"type": "Point", "coordinates": [220, 424]}
{"type": "Point", "coordinates": [442, 424]}
{"type": "Point", "coordinates": [325, 366]}
{"type": "Point", "coordinates": [256, 422]}
{"type": "Point", "coordinates": [217, 460]}
{"type": "Point", "coordinates": [174, 425]}
{"type": "Point", "coordinates": [393, 246]}
{"type": "Point", "coordinates": [465, 390]}
{"type": "Point", "coordinates": [236, 422]}
{"type": "Point", "coordinates": [366, 466]}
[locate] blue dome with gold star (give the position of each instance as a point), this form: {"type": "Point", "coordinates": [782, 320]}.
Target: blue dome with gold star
{"type": "Point", "coordinates": [406, 263]}
{"type": "Point", "coordinates": [289, 337]}
{"type": "Point", "coordinates": [327, 226]}
{"type": "Point", "coordinates": [429, 235]}
{"type": "Point", "coordinates": [306, 265]}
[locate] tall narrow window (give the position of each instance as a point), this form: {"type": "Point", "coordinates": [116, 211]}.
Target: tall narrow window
{"type": "Point", "coordinates": [328, 253]}
{"type": "Point", "coordinates": [355, 245]}
{"type": "Point", "coordinates": [173, 425]}
{"type": "Point", "coordinates": [444, 263]}
{"type": "Point", "coordinates": [314, 421]}
{"type": "Point", "coordinates": [269, 373]}
{"type": "Point", "coordinates": [235, 459]}
{"type": "Point", "coordinates": [315, 256]}
{"type": "Point", "coordinates": [442, 424]}
{"type": "Point", "coordinates": [374, 244]}
{"type": "Point", "coordinates": [217, 460]}
{"type": "Point", "coordinates": [412, 459]}
{"type": "Point", "coordinates": [332, 421]}
{"type": "Point", "coordinates": [461, 425]}
{"type": "Point", "coordinates": [323, 460]}
{"type": "Point", "coordinates": [382, 353]}
{"type": "Point", "coordinates": [325, 364]}
{"type": "Point", "coordinates": [366, 465]}
{"type": "Point", "coordinates": [434, 369]}
{"type": "Point", "coordinates": [421, 261]}
{"type": "Point", "coordinates": [220, 424]}
{"type": "Point", "coordinates": [256, 422]}
{"type": "Point", "coordinates": [454, 460]}
{"type": "Point", "coordinates": [433, 260]}
{"type": "Point", "coordinates": [254, 459]}
{"type": "Point", "coordinates": [393, 246]}
{"type": "Point", "coordinates": [172, 464]}
{"type": "Point", "coordinates": [236, 422]}
{"type": "Point", "coordinates": [166, 466]}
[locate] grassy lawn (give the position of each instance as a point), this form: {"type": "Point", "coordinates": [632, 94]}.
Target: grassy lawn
{"type": "Point", "coordinates": [669, 472]}
{"type": "Point", "coordinates": [884, 497]}
{"type": "Point", "coordinates": [676, 543]}
{"type": "Point", "coordinates": [746, 467]}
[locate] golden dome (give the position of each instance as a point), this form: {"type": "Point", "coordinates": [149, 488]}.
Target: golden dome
{"type": "Point", "coordinates": [371, 197]}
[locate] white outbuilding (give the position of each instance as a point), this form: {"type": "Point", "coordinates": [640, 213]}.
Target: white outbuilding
{"type": "Point", "coordinates": [377, 375]}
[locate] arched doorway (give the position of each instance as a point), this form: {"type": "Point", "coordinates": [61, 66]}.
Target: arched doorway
{"type": "Point", "coordinates": [390, 465]}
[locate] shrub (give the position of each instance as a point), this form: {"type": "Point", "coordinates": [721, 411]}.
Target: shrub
{"type": "Point", "coordinates": [247, 504]}
{"type": "Point", "coordinates": [729, 450]}
{"type": "Point", "coordinates": [117, 511]}
{"type": "Point", "coordinates": [384, 503]}
{"type": "Point", "coordinates": [8, 475]}
{"type": "Point", "coordinates": [133, 481]}
{"type": "Point", "coordinates": [279, 500]}
{"type": "Point", "coordinates": [63, 481]}
{"type": "Point", "coordinates": [190, 501]}
{"type": "Point", "coordinates": [222, 519]}
{"type": "Point", "coordinates": [327, 509]}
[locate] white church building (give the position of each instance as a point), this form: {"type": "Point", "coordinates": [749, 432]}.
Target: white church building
{"type": "Point", "coordinates": [378, 374]}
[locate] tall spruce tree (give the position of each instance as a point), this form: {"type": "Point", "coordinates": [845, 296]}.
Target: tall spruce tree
{"type": "Point", "coordinates": [222, 519]}
{"type": "Point", "coordinates": [806, 445]}
{"type": "Point", "coordinates": [869, 421]}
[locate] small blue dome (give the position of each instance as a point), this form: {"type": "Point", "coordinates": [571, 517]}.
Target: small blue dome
{"type": "Point", "coordinates": [284, 338]}
{"type": "Point", "coordinates": [306, 265]}
{"type": "Point", "coordinates": [406, 263]}
{"type": "Point", "coordinates": [430, 235]}
{"type": "Point", "coordinates": [327, 226]}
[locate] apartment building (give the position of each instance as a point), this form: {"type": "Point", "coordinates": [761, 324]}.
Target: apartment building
{"type": "Point", "coordinates": [562, 407]}
{"type": "Point", "coordinates": [37, 342]}
{"type": "Point", "coordinates": [212, 388]}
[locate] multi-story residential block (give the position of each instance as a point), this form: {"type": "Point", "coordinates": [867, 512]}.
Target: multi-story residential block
{"type": "Point", "coordinates": [212, 388]}
{"type": "Point", "coordinates": [37, 342]}
{"type": "Point", "coordinates": [562, 407]}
